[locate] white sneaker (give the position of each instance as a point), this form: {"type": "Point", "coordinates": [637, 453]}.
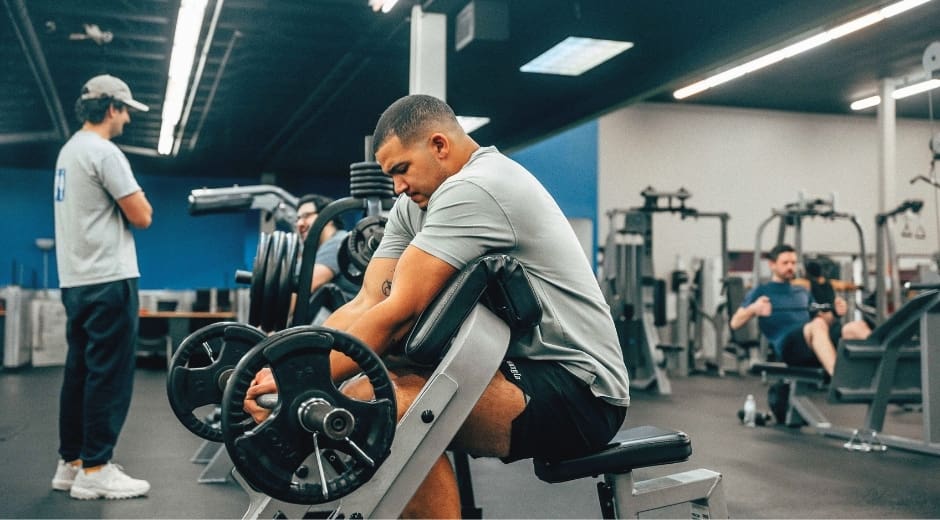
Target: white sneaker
{"type": "Point", "coordinates": [108, 482]}
{"type": "Point", "coordinates": [64, 476]}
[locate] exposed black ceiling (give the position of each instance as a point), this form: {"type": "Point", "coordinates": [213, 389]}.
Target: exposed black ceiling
{"type": "Point", "coordinates": [294, 86]}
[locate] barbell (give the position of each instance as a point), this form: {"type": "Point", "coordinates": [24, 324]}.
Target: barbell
{"type": "Point", "coordinates": [348, 439]}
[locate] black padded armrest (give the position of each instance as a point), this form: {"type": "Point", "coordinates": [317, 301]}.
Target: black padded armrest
{"type": "Point", "coordinates": [497, 281]}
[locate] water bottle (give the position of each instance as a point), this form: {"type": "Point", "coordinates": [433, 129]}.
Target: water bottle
{"type": "Point", "coordinates": [750, 411]}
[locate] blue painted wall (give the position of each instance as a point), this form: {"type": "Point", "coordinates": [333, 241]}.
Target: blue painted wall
{"type": "Point", "coordinates": [177, 252]}
{"type": "Point", "coordinates": [567, 165]}
{"type": "Point", "coordinates": [184, 252]}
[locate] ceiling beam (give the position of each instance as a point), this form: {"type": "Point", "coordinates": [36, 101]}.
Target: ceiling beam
{"type": "Point", "coordinates": [23, 27]}
{"type": "Point", "coordinates": [29, 137]}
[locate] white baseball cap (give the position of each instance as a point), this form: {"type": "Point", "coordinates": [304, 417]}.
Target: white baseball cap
{"type": "Point", "coordinates": [107, 86]}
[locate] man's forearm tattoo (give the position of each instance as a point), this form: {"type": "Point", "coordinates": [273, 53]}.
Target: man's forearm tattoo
{"type": "Point", "coordinates": [387, 287]}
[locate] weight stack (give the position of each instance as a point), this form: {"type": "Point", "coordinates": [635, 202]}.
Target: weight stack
{"type": "Point", "coordinates": [366, 180]}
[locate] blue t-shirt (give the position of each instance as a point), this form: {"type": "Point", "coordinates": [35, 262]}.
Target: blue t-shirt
{"type": "Point", "coordinates": [790, 310]}
{"type": "Point", "coordinates": [327, 254]}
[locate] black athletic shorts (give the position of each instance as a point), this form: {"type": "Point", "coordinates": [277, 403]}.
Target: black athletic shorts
{"type": "Point", "coordinates": [562, 418]}
{"type": "Point", "coordinates": [797, 352]}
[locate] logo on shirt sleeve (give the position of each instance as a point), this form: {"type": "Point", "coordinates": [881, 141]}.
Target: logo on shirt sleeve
{"type": "Point", "coordinates": [60, 185]}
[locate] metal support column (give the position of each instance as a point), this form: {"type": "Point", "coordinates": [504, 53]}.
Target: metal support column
{"type": "Point", "coordinates": [887, 163]}
{"type": "Point", "coordinates": [427, 73]}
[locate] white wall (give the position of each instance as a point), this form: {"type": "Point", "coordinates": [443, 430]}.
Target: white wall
{"type": "Point", "coordinates": [746, 162]}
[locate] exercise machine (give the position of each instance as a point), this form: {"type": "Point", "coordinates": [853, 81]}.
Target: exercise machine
{"type": "Point", "coordinates": [894, 365]}
{"type": "Point", "coordinates": [790, 222]}
{"type": "Point", "coordinates": [886, 265]}
{"type": "Point", "coordinates": [277, 202]}
{"type": "Point", "coordinates": [791, 219]}
{"type": "Point", "coordinates": [637, 299]}
{"type": "Point", "coordinates": [333, 455]}
{"type": "Point", "coordinates": [283, 265]}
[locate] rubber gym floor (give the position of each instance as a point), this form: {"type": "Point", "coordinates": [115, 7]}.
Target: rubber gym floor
{"type": "Point", "coordinates": [769, 472]}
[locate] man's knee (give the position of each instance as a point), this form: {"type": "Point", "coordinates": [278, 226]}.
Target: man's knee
{"type": "Point", "coordinates": [814, 328]}
{"type": "Point", "coordinates": [857, 329]}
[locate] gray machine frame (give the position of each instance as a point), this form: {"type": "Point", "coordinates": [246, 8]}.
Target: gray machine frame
{"type": "Point", "coordinates": [265, 197]}
{"type": "Point", "coordinates": [628, 264]}
{"type": "Point", "coordinates": [792, 215]}
{"type": "Point", "coordinates": [451, 392]}
{"type": "Point", "coordinates": [886, 259]}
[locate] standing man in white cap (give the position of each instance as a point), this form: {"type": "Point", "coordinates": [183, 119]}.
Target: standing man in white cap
{"type": "Point", "coordinates": [96, 200]}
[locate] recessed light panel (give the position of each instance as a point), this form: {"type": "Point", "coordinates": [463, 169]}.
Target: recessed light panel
{"type": "Point", "coordinates": [574, 56]}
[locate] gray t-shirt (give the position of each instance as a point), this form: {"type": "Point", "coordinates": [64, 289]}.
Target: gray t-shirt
{"type": "Point", "coordinates": [494, 205]}
{"type": "Point", "coordinates": [94, 243]}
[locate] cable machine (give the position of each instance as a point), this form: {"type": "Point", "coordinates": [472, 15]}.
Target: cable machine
{"type": "Point", "coordinates": [636, 298]}
{"type": "Point", "coordinates": [886, 265]}
{"type": "Point", "coordinates": [791, 217]}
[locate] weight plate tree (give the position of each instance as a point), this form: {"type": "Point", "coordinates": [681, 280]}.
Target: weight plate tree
{"type": "Point", "coordinates": [372, 192]}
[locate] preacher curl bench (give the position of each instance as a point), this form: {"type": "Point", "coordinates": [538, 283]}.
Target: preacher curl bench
{"type": "Point", "coordinates": [367, 467]}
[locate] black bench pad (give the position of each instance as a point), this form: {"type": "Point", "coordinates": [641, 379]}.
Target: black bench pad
{"type": "Point", "coordinates": [634, 448]}
{"type": "Point", "coordinates": [498, 281]}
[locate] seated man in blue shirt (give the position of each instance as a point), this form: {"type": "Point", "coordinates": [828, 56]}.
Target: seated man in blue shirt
{"type": "Point", "coordinates": [783, 311]}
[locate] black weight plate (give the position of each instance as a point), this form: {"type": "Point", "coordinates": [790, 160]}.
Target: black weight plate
{"type": "Point", "coordinates": [373, 183]}
{"type": "Point", "coordinates": [200, 368]}
{"type": "Point", "coordinates": [388, 195]}
{"type": "Point", "coordinates": [287, 280]}
{"type": "Point", "coordinates": [351, 272]}
{"type": "Point", "coordinates": [367, 165]}
{"type": "Point", "coordinates": [367, 174]}
{"type": "Point", "coordinates": [258, 270]}
{"type": "Point", "coordinates": [364, 238]}
{"type": "Point", "coordinates": [268, 455]}
{"type": "Point", "coordinates": [272, 282]}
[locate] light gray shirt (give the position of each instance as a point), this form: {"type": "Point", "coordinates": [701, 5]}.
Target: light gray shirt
{"type": "Point", "coordinates": [494, 205]}
{"type": "Point", "coordinates": [94, 243]}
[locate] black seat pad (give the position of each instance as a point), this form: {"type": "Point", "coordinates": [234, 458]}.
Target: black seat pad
{"type": "Point", "coordinates": [777, 368]}
{"type": "Point", "coordinates": [633, 448]}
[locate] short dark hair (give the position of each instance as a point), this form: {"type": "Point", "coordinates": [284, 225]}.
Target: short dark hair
{"type": "Point", "coordinates": [409, 117]}
{"type": "Point", "coordinates": [778, 250]}
{"type": "Point", "coordinates": [319, 202]}
{"type": "Point", "coordinates": [94, 110]}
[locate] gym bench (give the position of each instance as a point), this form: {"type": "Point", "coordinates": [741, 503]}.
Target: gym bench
{"type": "Point", "coordinates": [465, 332]}
{"type": "Point", "coordinates": [803, 382]}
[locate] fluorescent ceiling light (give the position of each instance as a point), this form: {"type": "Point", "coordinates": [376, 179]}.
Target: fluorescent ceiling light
{"type": "Point", "coordinates": [900, 7]}
{"type": "Point", "coordinates": [384, 5]}
{"type": "Point", "coordinates": [868, 102]}
{"type": "Point", "coordinates": [807, 42]}
{"type": "Point", "coordinates": [188, 27]}
{"type": "Point", "coordinates": [916, 88]}
{"type": "Point", "coordinates": [574, 56]}
{"type": "Point", "coordinates": [900, 93]}
{"type": "Point", "coordinates": [471, 123]}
